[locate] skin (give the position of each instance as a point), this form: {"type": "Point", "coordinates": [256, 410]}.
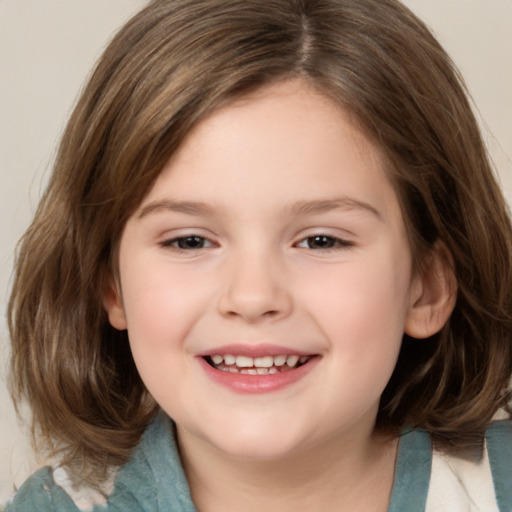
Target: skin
{"type": "Point", "coordinates": [299, 242]}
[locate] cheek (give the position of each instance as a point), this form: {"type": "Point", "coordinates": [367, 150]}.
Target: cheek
{"type": "Point", "coordinates": [362, 311]}
{"type": "Point", "coordinates": [160, 305]}
{"type": "Point", "coordinates": [363, 297]}
{"type": "Point", "coordinates": [161, 309]}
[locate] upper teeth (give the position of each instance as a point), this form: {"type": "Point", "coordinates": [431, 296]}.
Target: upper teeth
{"type": "Point", "coordinates": [258, 362]}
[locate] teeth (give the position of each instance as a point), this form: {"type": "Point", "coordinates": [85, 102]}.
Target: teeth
{"type": "Point", "coordinates": [265, 363]}
{"type": "Point", "coordinates": [217, 359]}
{"type": "Point", "coordinates": [279, 360]}
{"type": "Point", "coordinates": [228, 359]}
{"type": "Point", "coordinates": [292, 360]}
{"type": "Point", "coordinates": [244, 362]}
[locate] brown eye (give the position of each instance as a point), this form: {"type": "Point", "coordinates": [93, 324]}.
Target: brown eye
{"type": "Point", "coordinates": [324, 242]}
{"type": "Point", "coordinates": [187, 243]}
{"type": "Point", "coordinates": [321, 242]}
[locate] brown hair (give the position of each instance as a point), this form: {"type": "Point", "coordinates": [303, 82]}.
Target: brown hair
{"type": "Point", "coordinates": [171, 65]}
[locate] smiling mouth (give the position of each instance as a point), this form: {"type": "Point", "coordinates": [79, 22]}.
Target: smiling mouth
{"type": "Point", "coordinates": [266, 365]}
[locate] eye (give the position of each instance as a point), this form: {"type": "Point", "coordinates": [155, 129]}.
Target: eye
{"type": "Point", "coordinates": [324, 242]}
{"type": "Point", "coordinates": [187, 243]}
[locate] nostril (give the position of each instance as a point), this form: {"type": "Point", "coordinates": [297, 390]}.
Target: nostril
{"type": "Point", "coordinates": [265, 314]}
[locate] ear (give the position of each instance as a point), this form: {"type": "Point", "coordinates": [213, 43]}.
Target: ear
{"type": "Point", "coordinates": [433, 294]}
{"type": "Point", "coordinates": [113, 304]}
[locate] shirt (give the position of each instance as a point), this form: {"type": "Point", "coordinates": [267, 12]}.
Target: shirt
{"type": "Point", "coordinates": [154, 481]}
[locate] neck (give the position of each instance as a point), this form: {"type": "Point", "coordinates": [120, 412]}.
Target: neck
{"type": "Point", "coordinates": [341, 475]}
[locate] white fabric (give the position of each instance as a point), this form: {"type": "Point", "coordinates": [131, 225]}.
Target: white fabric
{"type": "Point", "coordinates": [84, 497]}
{"type": "Point", "coordinates": [459, 485]}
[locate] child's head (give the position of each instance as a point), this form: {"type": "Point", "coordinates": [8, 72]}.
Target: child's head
{"type": "Point", "coordinates": [172, 66]}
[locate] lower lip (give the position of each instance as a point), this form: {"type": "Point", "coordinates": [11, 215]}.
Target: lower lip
{"type": "Point", "coordinates": [243, 383]}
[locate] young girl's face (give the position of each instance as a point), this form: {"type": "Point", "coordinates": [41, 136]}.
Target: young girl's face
{"type": "Point", "coordinates": [272, 235]}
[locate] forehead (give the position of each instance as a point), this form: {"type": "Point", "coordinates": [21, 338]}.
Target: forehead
{"type": "Point", "coordinates": [291, 109]}
{"type": "Point", "coordinates": [283, 143]}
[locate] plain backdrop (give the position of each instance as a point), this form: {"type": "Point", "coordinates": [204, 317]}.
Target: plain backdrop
{"type": "Point", "coordinates": [47, 49]}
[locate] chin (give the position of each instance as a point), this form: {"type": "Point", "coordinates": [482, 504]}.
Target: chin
{"type": "Point", "coordinates": [251, 449]}
{"type": "Point", "coordinates": [253, 442]}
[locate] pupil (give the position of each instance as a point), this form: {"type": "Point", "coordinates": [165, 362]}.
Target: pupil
{"type": "Point", "coordinates": [191, 242]}
{"type": "Point", "coordinates": [321, 242]}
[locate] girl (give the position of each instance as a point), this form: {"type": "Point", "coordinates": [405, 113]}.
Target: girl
{"type": "Point", "coordinates": [272, 269]}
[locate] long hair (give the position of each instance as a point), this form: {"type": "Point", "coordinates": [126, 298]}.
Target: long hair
{"type": "Point", "coordinates": [166, 70]}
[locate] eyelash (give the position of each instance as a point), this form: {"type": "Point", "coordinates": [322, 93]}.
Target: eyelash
{"type": "Point", "coordinates": [174, 243]}
{"type": "Point", "coordinates": [332, 243]}
{"type": "Point", "coordinates": [199, 242]}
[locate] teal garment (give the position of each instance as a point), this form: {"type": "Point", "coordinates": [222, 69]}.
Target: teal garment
{"type": "Point", "coordinates": [153, 480]}
{"type": "Point", "coordinates": [499, 448]}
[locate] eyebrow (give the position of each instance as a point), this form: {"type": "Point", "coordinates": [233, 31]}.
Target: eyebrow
{"type": "Point", "coordinates": [299, 208]}
{"type": "Point", "coordinates": [326, 205]}
{"type": "Point", "coordinates": [188, 207]}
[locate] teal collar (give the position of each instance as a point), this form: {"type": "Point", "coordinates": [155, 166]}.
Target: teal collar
{"type": "Point", "coordinates": [412, 472]}
{"type": "Point", "coordinates": [155, 477]}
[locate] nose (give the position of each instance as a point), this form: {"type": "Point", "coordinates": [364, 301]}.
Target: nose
{"type": "Point", "coordinates": [255, 289]}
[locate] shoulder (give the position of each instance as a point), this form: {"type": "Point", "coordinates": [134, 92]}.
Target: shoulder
{"type": "Point", "coordinates": [40, 494]}
{"type": "Point", "coordinates": [152, 480]}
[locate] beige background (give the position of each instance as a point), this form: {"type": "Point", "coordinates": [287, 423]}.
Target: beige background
{"type": "Point", "coordinates": [47, 48]}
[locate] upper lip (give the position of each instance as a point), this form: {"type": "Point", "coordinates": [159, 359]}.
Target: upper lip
{"type": "Point", "coordinates": [248, 350]}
